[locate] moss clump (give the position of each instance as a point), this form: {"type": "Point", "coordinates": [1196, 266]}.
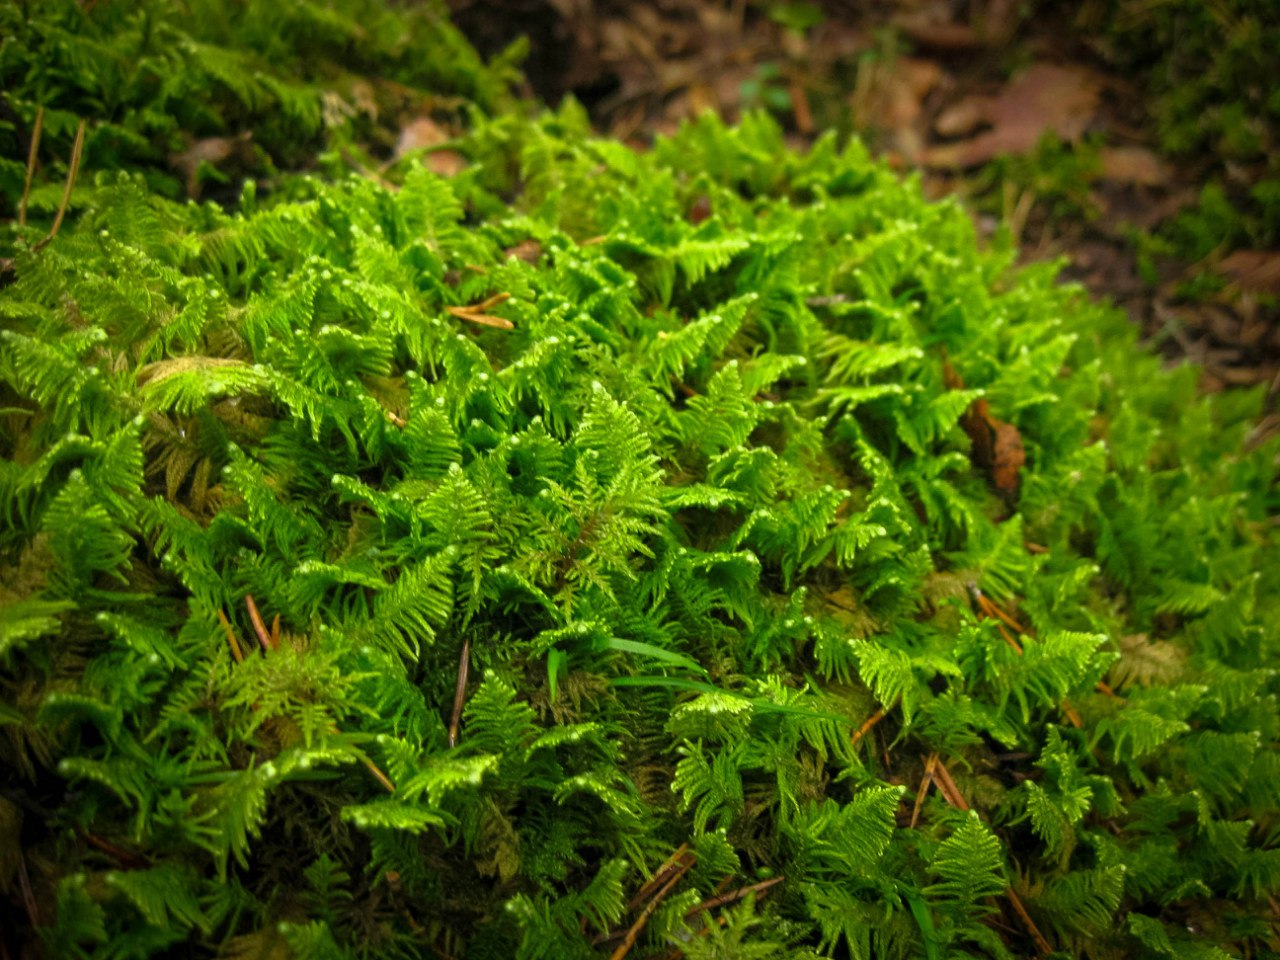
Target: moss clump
{"type": "Point", "coordinates": [681, 456]}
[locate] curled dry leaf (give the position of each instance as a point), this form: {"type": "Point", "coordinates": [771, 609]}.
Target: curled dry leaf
{"type": "Point", "coordinates": [997, 445]}
{"type": "Point", "coordinates": [1042, 99]}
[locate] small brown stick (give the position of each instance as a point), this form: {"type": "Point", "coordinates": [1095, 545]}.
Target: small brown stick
{"type": "Point", "coordinates": [957, 800]}
{"type": "Point", "coordinates": [489, 304]}
{"type": "Point", "coordinates": [867, 724]}
{"type": "Point", "coordinates": [800, 108]}
{"type": "Point", "coordinates": [275, 630]}
{"type": "Point", "coordinates": [1008, 638]}
{"type": "Point", "coordinates": [73, 169]}
{"type": "Point", "coordinates": [925, 782]}
{"type": "Point", "coordinates": [236, 653]}
{"type": "Point", "coordinates": [372, 767]}
{"type": "Point", "coordinates": [36, 132]}
{"type": "Point", "coordinates": [1042, 945]}
{"type": "Point", "coordinates": [378, 775]}
{"type": "Point", "coordinates": [259, 627]}
{"type": "Point", "coordinates": [633, 933]}
{"type": "Point", "coordinates": [460, 692]}
{"type": "Point", "coordinates": [671, 863]}
{"type": "Point", "coordinates": [948, 786]}
{"type": "Point", "coordinates": [990, 609]}
{"type": "Point", "coordinates": [733, 896]}
{"type": "Point", "coordinates": [396, 420]}
{"type": "Point", "coordinates": [1072, 715]}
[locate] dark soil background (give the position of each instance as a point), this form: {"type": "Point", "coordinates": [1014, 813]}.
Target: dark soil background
{"type": "Point", "coordinates": [962, 92]}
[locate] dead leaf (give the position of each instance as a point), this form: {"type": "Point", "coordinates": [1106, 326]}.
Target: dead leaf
{"type": "Point", "coordinates": [212, 151]}
{"type": "Point", "coordinates": [997, 445]}
{"type": "Point", "coordinates": [1136, 165]}
{"type": "Point", "coordinates": [1010, 455]}
{"type": "Point", "coordinates": [1042, 99]}
{"type": "Point", "coordinates": [1254, 270]}
{"type": "Point", "coordinates": [420, 133]}
{"type": "Point", "coordinates": [945, 37]}
{"type": "Point", "coordinates": [527, 250]}
{"type": "Point", "coordinates": [964, 117]}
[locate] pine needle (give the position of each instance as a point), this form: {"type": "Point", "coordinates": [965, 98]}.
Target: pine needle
{"type": "Point", "coordinates": [36, 131]}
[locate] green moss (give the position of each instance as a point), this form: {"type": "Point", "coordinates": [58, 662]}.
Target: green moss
{"type": "Point", "coordinates": [691, 515]}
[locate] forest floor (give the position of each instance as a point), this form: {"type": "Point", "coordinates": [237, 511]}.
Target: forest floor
{"type": "Point", "coordinates": [1022, 116]}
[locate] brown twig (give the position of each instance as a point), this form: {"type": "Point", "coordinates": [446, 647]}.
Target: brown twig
{"type": "Point", "coordinates": [236, 653]}
{"type": "Point", "coordinates": [259, 627]}
{"type": "Point", "coordinates": [378, 775]}
{"type": "Point", "coordinates": [867, 724]}
{"type": "Point", "coordinates": [948, 786]}
{"type": "Point", "coordinates": [460, 692]}
{"type": "Point", "coordinates": [733, 896]}
{"type": "Point", "coordinates": [660, 876]}
{"type": "Point", "coordinates": [73, 170]}
{"type": "Point", "coordinates": [989, 608]}
{"type": "Point", "coordinates": [925, 782]}
{"type": "Point", "coordinates": [32, 153]}
{"type": "Point", "coordinates": [275, 631]}
{"type": "Point", "coordinates": [957, 800]}
{"type": "Point", "coordinates": [636, 928]}
{"type": "Point", "coordinates": [1042, 945]}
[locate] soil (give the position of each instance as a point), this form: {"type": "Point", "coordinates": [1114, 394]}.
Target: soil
{"type": "Point", "coordinates": [940, 86]}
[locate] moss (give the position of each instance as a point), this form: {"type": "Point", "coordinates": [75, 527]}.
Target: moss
{"type": "Point", "coordinates": [420, 567]}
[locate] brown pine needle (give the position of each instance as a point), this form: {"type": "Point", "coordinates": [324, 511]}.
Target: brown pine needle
{"type": "Point", "coordinates": [660, 876]}
{"type": "Point", "coordinates": [867, 725]}
{"type": "Point", "coordinates": [633, 933]}
{"type": "Point", "coordinates": [986, 606]}
{"type": "Point", "coordinates": [73, 170]}
{"type": "Point", "coordinates": [1042, 945]}
{"type": "Point", "coordinates": [733, 896]}
{"type": "Point", "coordinates": [236, 653]}
{"type": "Point", "coordinates": [957, 800]}
{"type": "Point", "coordinates": [1009, 639]}
{"type": "Point", "coordinates": [489, 304]}
{"type": "Point", "coordinates": [460, 692]}
{"type": "Point", "coordinates": [484, 319]}
{"type": "Point", "coordinates": [378, 775]}
{"type": "Point", "coordinates": [925, 782]}
{"type": "Point", "coordinates": [259, 627]}
{"type": "Point", "coordinates": [275, 630]}
{"type": "Point", "coordinates": [36, 131]}
{"type": "Point", "coordinates": [948, 786]}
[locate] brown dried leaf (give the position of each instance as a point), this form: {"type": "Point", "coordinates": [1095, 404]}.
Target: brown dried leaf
{"type": "Point", "coordinates": [1009, 457]}
{"type": "Point", "coordinates": [527, 250]}
{"type": "Point", "coordinates": [1136, 165]}
{"type": "Point", "coordinates": [1042, 99]}
{"type": "Point", "coordinates": [418, 134]}
{"type": "Point", "coordinates": [212, 151]}
{"type": "Point", "coordinates": [1255, 270]}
